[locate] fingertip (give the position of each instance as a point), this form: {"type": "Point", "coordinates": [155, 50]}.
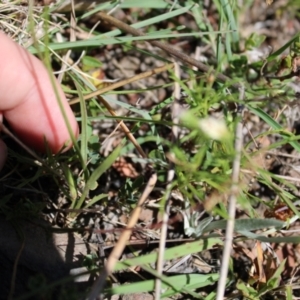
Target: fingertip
{"type": "Point", "coordinates": [32, 109]}
{"type": "Point", "coordinates": [66, 143]}
{"type": "Point", "coordinates": [56, 142]}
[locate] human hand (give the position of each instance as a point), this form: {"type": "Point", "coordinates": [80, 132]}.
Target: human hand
{"type": "Point", "coordinates": [28, 102]}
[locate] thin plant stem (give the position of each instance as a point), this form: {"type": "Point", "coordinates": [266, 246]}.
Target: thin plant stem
{"type": "Point", "coordinates": [123, 82]}
{"type": "Point", "coordinates": [234, 190]}
{"type": "Point", "coordinates": [170, 178]}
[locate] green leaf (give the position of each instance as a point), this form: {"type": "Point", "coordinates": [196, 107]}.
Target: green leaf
{"type": "Point", "coordinates": [173, 284]}
{"type": "Point", "coordinates": [283, 48]}
{"type": "Point", "coordinates": [289, 292]}
{"type": "Point", "coordinates": [170, 253]}
{"type": "Point", "coordinates": [246, 224]}
{"type": "Point", "coordinates": [247, 291]}
{"type": "Point", "coordinates": [71, 181]}
{"type": "Point", "coordinates": [285, 239]}
{"type": "Point", "coordinates": [273, 282]}
{"type": "Point", "coordinates": [89, 63]}
{"type": "Point", "coordinates": [96, 199]}
{"type": "Point", "coordinates": [106, 38]}
{"type": "Point", "coordinates": [254, 41]}
{"type": "Point", "coordinates": [84, 135]}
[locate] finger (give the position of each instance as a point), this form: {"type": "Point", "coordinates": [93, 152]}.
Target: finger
{"type": "Point", "coordinates": [28, 101]}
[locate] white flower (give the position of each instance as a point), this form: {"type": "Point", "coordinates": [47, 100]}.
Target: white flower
{"type": "Point", "coordinates": [214, 128]}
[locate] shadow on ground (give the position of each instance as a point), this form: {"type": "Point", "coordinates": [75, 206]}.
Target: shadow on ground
{"type": "Point", "coordinates": [44, 258]}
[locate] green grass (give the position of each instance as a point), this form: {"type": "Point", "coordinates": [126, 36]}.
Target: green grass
{"type": "Point", "coordinates": [202, 160]}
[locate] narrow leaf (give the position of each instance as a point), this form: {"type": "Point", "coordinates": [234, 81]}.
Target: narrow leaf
{"type": "Point", "coordinates": [96, 174]}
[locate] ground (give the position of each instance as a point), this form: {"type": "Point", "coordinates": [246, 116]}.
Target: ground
{"type": "Point", "coordinates": [78, 204]}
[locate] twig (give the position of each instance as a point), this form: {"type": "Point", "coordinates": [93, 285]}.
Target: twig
{"type": "Point", "coordinates": [139, 84]}
{"type": "Point", "coordinates": [119, 248]}
{"type": "Point", "coordinates": [234, 190]}
{"type": "Point", "coordinates": [285, 77]}
{"type": "Point", "coordinates": [123, 82]}
{"type": "Point", "coordinates": [171, 50]}
{"type": "Point", "coordinates": [171, 174]}
{"type": "Point", "coordinates": [124, 127]}
{"type": "Point", "coordinates": [5, 130]}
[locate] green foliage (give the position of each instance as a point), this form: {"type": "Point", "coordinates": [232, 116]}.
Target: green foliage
{"type": "Point", "coordinates": [130, 191]}
{"type": "Point", "coordinates": [263, 288]}
{"type": "Point", "coordinates": [90, 63]}
{"type": "Point", "coordinates": [172, 285]}
{"type": "Point", "coordinates": [203, 154]}
{"type": "Point", "coordinates": [254, 41]}
{"type": "Point", "coordinates": [90, 261]}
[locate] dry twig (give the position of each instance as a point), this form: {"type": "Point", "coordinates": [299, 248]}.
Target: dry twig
{"type": "Point", "coordinates": [171, 174]}
{"type": "Point", "coordinates": [121, 244]}
{"type": "Point", "coordinates": [171, 50]}
{"type": "Point", "coordinates": [234, 190]}
{"type": "Point", "coordinates": [123, 82]}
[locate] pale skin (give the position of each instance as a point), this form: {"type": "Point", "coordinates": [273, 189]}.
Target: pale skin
{"type": "Point", "coordinates": [28, 101]}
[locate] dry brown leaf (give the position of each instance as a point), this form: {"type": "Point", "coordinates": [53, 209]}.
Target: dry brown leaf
{"type": "Point", "coordinates": [125, 168]}
{"type": "Point", "coordinates": [260, 262]}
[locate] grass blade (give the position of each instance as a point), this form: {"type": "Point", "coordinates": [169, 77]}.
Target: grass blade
{"type": "Point", "coordinates": [84, 120]}
{"type": "Point", "coordinates": [272, 123]}
{"type": "Point", "coordinates": [92, 181]}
